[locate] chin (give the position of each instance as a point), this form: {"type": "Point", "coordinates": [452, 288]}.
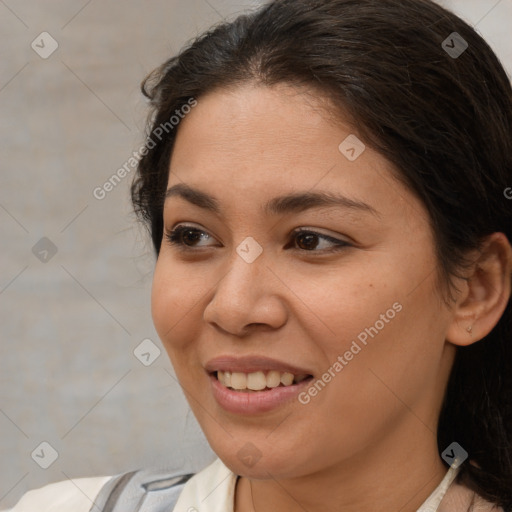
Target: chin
{"type": "Point", "coordinates": [246, 459]}
{"type": "Point", "coordinates": [262, 469]}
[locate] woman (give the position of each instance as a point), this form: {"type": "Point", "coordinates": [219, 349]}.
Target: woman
{"type": "Point", "coordinates": [326, 184]}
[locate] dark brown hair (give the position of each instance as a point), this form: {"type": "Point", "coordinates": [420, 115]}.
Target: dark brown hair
{"type": "Point", "coordinates": [443, 120]}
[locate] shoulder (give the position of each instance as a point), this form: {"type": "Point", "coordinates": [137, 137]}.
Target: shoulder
{"type": "Point", "coordinates": [75, 495]}
{"type": "Point", "coordinates": [158, 489]}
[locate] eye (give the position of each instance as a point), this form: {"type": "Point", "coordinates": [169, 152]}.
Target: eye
{"type": "Point", "coordinates": [311, 241]}
{"type": "Point", "coordinates": [186, 238]}
{"type": "Point", "coordinates": [182, 236]}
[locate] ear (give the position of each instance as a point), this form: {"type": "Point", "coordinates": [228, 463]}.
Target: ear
{"type": "Point", "coordinates": [485, 294]}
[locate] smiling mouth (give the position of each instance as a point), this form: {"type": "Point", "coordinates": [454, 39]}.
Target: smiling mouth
{"type": "Point", "coordinates": [258, 381]}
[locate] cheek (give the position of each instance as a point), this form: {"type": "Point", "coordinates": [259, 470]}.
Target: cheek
{"type": "Point", "coordinates": [175, 303]}
{"type": "Point", "coordinates": [347, 302]}
{"type": "Point", "coordinates": [377, 320]}
{"type": "Point", "coordinates": [385, 352]}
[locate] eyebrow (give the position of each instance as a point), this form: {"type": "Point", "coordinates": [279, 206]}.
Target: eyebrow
{"type": "Point", "coordinates": [290, 203]}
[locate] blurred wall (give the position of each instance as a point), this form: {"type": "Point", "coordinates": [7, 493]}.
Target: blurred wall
{"type": "Point", "coordinates": [75, 269]}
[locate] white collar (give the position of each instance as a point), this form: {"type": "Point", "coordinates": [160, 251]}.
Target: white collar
{"type": "Point", "coordinates": [210, 490]}
{"type": "Point", "coordinates": [213, 490]}
{"type": "Point", "coordinates": [431, 504]}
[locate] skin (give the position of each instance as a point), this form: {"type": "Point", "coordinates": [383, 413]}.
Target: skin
{"type": "Point", "coordinates": [373, 427]}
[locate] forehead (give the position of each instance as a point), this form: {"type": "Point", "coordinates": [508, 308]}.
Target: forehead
{"type": "Point", "coordinates": [274, 140]}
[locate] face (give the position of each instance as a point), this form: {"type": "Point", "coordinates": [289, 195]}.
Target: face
{"type": "Point", "coordinates": [340, 294]}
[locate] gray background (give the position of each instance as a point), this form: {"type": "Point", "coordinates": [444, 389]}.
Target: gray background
{"type": "Point", "coordinates": [69, 325]}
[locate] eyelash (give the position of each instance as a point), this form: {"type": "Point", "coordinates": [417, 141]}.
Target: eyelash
{"type": "Point", "coordinates": [174, 238]}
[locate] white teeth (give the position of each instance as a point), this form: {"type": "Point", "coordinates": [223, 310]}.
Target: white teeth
{"type": "Point", "coordinates": [238, 380]}
{"type": "Point", "coordinates": [286, 379]}
{"type": "Point", "coordinates": [257, 381]}
{"type": "Point", "coordinates": [273, 379]}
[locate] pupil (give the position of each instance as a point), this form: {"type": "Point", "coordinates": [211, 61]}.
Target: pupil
{"type": "Point", "coordinates": [310, 242]}
{"type": "Point", "coordinates": [191, 235]}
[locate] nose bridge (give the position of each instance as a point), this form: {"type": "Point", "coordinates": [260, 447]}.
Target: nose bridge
{"type": "Point", "coordinates": [247, 292]}
{"type": "Point", "coordinates": [246, 267]}
{"type": "Point", "coordinates": [246, 277]}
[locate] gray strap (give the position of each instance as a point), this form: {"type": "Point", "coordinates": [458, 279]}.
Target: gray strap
{"type": "Point", "coordinates": [145, 490]}
{"type": "Point", "coordinates": [109, 493]}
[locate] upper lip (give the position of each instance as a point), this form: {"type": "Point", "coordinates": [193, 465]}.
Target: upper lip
{"type": "Point", "coordinates": [248, 364]}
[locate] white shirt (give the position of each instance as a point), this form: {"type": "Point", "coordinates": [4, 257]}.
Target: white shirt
{"type": "Point", "coordinates": [76, 495]}
{"type": "Point", "coordinates": [210, 490]}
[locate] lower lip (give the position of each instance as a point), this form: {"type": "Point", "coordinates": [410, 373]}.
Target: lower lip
{"type": "Point", "coordinates": [239, 402]}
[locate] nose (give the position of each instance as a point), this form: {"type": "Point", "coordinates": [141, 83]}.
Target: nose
{"type": "Point", "coordinates": [247, 298]}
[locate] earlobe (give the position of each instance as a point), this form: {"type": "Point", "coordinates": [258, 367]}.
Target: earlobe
{"type": "Point", "coordinates": [486, 293]}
